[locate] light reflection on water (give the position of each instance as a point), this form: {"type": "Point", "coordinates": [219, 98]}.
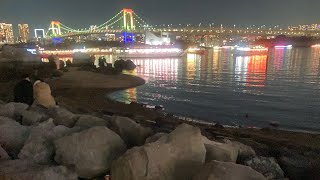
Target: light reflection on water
{"type": "Point", "coordinates": [282, 86]}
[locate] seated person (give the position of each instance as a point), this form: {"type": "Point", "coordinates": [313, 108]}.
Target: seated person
{"type": "Point", "coordinates": [42, 94]}
{"type": "Point", "coordinates": [23, 91]}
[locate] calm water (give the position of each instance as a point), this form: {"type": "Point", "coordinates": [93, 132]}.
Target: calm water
{"type": "Point", "coordinates": [282, 86]}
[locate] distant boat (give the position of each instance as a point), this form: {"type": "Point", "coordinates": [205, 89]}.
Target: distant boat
{"type": "Point", "coordinates": [149, 52]}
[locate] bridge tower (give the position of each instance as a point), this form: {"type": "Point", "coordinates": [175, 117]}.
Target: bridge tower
{"type": "Point", "coordinates": [55, 28]}
{"type": "Point", "coordinates": [128, 23]}
{"type": "Point", "coordinates": [128, 26]}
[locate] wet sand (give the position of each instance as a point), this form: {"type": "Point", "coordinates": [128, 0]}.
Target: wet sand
{"type": "Point", "coordinates": [86, 92]}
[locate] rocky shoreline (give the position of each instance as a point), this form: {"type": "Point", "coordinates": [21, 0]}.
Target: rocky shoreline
{"type": "Point", "coordinates": [88, 137]}
{"type": "Point", "coordinates": [38, 143]}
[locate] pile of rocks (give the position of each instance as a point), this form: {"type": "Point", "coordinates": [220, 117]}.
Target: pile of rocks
{"type": "Point", "coordinates": [39, 144]}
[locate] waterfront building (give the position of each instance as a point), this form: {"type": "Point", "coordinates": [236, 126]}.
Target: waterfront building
{"type": "Point", "coordinates": [6, 33]}
{"type": "Point", "coordinates": [23, 32]}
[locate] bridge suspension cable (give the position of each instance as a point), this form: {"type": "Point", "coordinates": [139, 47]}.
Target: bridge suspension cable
{"type": "Point", "coordinates": [143, 22]}
{"type": "Point", "coordinates": [106, 23]}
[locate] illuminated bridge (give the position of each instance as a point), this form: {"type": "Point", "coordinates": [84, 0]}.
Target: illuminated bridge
{"type": "Point", "coordinates": [128, 21]}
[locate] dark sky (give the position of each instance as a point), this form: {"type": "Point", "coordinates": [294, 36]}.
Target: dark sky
{"type": "Point", "coordinates": [82, 13]}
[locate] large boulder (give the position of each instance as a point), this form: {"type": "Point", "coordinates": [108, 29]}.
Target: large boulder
{"type": "Point", "coordinates": [2, 103]}
{"type": "Point", "coordinates": [63, 117]}
{"type": "Point", "coordinates": [130, 131]}
{"type": "Point", "coordinates": [267, 166]}
{"type": "Point", "coordinates": [244, 151]}
{"type": "Point", "coordinates": [88, 121]}
{"type": "Point", "coordinates": [172, 157]}
{"type": "Point", "coordinates": [90, 152]}
{"type": "Point", "coordinates": [298, 167]}
{"type": "Point", "coordinates": [25, 170]}
{"type": "Point", "coordinates": [12, 135]}
{"type": "Point", "coordinates": [39, 147]}
{"type": "Point", "coordinates": [219, 151]}
{"type": "Point", "coordinates": [155, 137]}
{"type": "Point", "coordinates": [13, 110]}
{"type": "Point", "coordinates": [32, 118]}
{"type": "Point", "coordinates": [216, 170]}
{"type": "Point", "coordinates": [3, 154]}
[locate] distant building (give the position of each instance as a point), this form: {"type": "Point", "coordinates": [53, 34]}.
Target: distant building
{"type": "Point", "coordinates": [152, 39]}
{"type": "Point", "coordinates": [23, 32]}
{"type": "Point", "coordinates": [6, 33]}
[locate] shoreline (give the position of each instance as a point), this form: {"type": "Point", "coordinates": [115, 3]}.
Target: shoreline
{"type": "Point", "coordinates": [93, 100]}
{"type": "Point", "coordinates": [75, 94]}
{"type": "Point", "coordinates": [212, 123]}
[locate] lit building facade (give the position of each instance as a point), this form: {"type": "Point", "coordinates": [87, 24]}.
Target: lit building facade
{"type": "Point", "coordinates": [6, 33]}
{"type": "Point", "coordinates": [23, 32]}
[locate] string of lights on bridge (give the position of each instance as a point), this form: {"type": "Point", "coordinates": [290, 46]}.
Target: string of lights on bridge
{"type": "Point", "coordinates": [128, 21]}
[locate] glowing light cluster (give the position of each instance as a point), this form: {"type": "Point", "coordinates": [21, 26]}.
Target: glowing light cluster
{"type": "Point", "coordinates": [153, 51]}
{"type": "Point", "coordinates": [84, 50]}
{"type": "Point", "coordinates": [257, 48]}
{"type": "Point", "coordinates": [280, 46]}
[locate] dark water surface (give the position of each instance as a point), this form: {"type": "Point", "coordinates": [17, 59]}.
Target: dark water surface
{"type": "Point", "coordinates": [281, 86]}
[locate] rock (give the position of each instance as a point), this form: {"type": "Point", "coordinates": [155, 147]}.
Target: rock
{"type": "Point", "coordinates": [2, 103]}
{"type": "Point", "coordinates": [131, 132]}
{"type": "Point", "coordinates": [4, 155]}
{"type": "Point", "coordinates": [298, 167]}
{"type": "Point", "coordinates": [39, 146]}
{"type": "Point", "coordinates": [119, 64]}
{"type": "Point", "coordinates": [244, 150]}
{"type": "Point", "coordinates": [129, 65]}
{"type": "Point", "coordinates": [13, 110]}
{"type": "Point", "coordinates": [87, 121]}
{"type": "Point", "coordinates": [155, 137]}
{"type": "Point", "coordinates": [90, 152]}
{"type": "Point", "coordinates": [25, 170]}
{"type": "Point", "coordinates": [39, 150]}
{"type": "Point", "coordinates": [12, 135]}
{"type": "Point", "coordinates": [32, 118]}
{"type": "Point", "coordinates": [220, 151]}
{"type": "Point", "coordinates": [172, 157]}
{"type": "Point", "coordinates": [266, 166]}
{"type": "Point", "coordinates": [62, 116]}
{"type": "Point", "coordinates": [216, 170]}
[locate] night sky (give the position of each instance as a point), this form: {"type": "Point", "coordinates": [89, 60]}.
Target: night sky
{"type": "Point", "coordinates": [81, 13]}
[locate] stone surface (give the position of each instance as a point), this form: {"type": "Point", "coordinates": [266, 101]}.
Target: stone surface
{"type": "Point", "coordinates": [3, 154]}
{"type": "Point", "coordinates": [245, 151]}
{"type": "Point", "coordinates": [90, 152]}
{"type": "Point", "coordinates": [13, 110]}
{"type": "Point", "coordinates": [216, 170]}
{"type": "Point", "coordinates": [130, 131]}
{"type": "Point", "coordinates": [12, 135]}
{"type": "Point", "coordinates": [219, 151]}
{"type": "Point", "coordinates": [155, 137]}
{"type": "Point", "coordinates": [88, 121]}
{"type": "Point", "coordinates": [39, 146]}
{"type": "Point", "coordinates": [172, 157]}
{"type": "Point", "coordinates": [25, 170]}
{"type": "Point", "coordinates": [62, 116]}
{"type": "Point", "coordinates": [298, 167]}
{"type": "Point", "coordinates": [33, 118]}
{"type": "Point", "coordinates": [267, 166]}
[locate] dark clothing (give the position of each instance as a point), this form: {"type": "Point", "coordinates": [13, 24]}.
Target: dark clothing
{"type": "Point", "coordinates": [23, 92]}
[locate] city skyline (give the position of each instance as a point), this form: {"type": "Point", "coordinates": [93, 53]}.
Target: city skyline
{"type": "Point", "coordinates": [38, 14]}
